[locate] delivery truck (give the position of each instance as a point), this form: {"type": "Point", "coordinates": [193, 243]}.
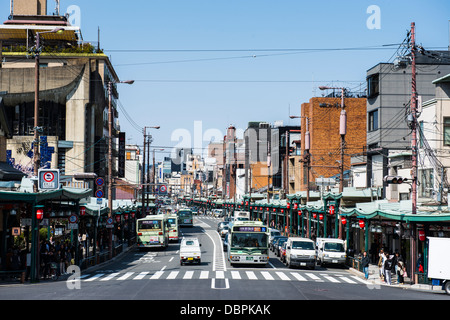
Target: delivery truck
{"type": "Point", "coordinates": [439, 262]}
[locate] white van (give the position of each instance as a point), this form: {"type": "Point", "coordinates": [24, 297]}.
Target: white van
{"type": "Point", "coordinates": [330, 251]}
{"type": "Point", "coordinates": [300, 252]}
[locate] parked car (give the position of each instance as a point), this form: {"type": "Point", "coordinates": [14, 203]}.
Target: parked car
{"type": "Point", "coordinates": [272, 242]}
{"type": "Point", "coordinates": [273, 233]}
{"type": "Point", "coordinates": [279, 244]}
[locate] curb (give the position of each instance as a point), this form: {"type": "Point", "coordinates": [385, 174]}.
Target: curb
{"type": "Point", "coordinates": [416, 287]}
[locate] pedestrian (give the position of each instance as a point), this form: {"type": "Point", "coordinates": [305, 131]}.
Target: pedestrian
{"type": "Point", "coordinates": [420, 263]}
{"type": "Point", "coordinates": [401, 271]}
{"type": "Point", "coordinates": [365, 265]}
{"type": "Point", "coordinates": [380, 264]}
{"type": "Point", "coordinates": [388, 266]}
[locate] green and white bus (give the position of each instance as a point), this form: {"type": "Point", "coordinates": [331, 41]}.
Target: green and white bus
{"type": "Point", "coordinates": [153, 231]}
{"type": "Point", "coordinates": [185, 218]}
{"type": "Point", "coordinates": [172, 219]}
{"type": "Point", "coordinates": [248, 243]}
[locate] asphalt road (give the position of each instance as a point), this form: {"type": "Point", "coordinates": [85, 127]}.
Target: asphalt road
{"type": "Point", "coordinates": [157, 275]}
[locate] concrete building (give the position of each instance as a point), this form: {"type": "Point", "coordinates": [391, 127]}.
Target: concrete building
{"type": "Point", "coordinates": [73, 107]}
{"type": "Point", "coordinates": [434, 144]}
{"type": "Point", "coordinates": [388, 106]}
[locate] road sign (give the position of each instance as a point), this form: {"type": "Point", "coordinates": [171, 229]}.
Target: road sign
{"type": "Point", "coordinates": [48, 179]}
{"type": "Point", "coordinates": [163, 188]}
{"type": "Point", "coordinates": [99, 182]}
{"type": "Point", "coordinates": [99, 193]}
{"type": "Point", "coordinates": [109, 223]}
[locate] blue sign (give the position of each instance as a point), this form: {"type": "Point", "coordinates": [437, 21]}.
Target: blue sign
{"type": "Point", "coordinates": [99, 193]}
{"type": "Point", "coordinates": [99, 182]}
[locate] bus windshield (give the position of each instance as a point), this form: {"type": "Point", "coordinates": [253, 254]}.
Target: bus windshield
{"type": "Point", "coordinates": [249, 240]}
{"type": "Point", "coordinates": [148, 225]}
{"type": "Point", "coordinates": [185, 214]}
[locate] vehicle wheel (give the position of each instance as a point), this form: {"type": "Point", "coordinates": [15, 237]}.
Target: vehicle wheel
{"type": "Point", "coordinates": [447, 287]}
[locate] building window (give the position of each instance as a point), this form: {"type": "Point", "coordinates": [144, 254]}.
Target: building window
{"type": "Point", "coordinates": [373, 120]}
{"type": "Point", "coordinates": [447, 131]}
{"type": "Point", "coordinates": [373, 85]}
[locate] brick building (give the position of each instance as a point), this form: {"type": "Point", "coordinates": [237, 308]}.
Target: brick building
{"type": "Point", "coordinates": [323, 114]}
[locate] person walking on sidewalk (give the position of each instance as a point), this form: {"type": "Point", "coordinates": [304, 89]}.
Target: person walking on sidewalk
{"type": "Point", "coordinates": [381, 259]}
{"type": "Point", "coordinates": [388, 266]}
{"type": "Point", "coordinates": [365, 265]}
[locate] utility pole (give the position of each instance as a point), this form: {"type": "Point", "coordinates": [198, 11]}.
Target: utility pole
{"type": "Point", "coordinates": [144, 187]}
{"type": "Point", "coordinates": [413, 245]}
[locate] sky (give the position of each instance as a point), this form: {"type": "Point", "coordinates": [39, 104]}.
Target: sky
{"type": "Point", "coordinates": [200, 66]}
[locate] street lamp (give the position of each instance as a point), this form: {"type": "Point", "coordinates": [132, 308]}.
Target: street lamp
{"type": "Point", "coordinates": [36, 156]}
{"type": "Point", "coordinates": [110, 177]}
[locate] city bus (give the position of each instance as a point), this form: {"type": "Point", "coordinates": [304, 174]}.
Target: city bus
{"type": "Point", "coordinates": [185, 218]}
{"type": "Point", "coordinates": [153, 231]}
{"type": "Point", "coordinates": [248, 243]}
{"type": "Point", "coordinates": [172, 219]}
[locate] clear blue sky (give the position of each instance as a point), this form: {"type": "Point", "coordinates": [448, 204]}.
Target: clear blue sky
{"type": "Point", "coordinates": [219, 86]}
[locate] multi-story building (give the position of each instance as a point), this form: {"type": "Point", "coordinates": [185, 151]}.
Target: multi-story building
{"type": "Point", "coordinates": [434, 143]}
{"type": "Point", "coordinates": [73, 95]}
{"type": "Point", "coordinates": [321, 118]}
{"type": "Point", "coordinates": [388, 106]}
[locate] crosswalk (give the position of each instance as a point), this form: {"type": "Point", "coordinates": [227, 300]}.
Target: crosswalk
{"type": "Point", "coordinates": [232, 275]}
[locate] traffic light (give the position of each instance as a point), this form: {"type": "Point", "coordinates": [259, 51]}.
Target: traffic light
{"type": "Point", "coordinates": [395, 179]}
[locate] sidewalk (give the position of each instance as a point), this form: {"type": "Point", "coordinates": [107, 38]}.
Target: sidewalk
{"type": "Point", "coordinates": [374, 279]}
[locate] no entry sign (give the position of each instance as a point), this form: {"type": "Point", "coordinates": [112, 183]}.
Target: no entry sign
{"type": "Point", "coordinates": [48, 179]}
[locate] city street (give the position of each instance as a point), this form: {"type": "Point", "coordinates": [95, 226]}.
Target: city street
{"type": "Point", "coordinates": [157, 275]}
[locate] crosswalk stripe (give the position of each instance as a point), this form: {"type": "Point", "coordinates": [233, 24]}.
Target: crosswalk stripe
{"type": "Point", "coordinates": [98, 275]}
{"type": "Point", "coordinates": [172, 275]}
{"type": "Point", "coordinates": [313, 276]}
{"type": "Point", "coordinates": [267, 275]}
{"type": "Point", "coordinates": [220, 275]}
{"type": "Point", "coordinates": [157, 275]}
{"type": "Point", "coordinates": [125, 276]}
{"type": "Point", "coordinates": [331, 279]}
{"type": "Point", "coordinates": [188, 275]}
{"type": "Point", "coordinates": [141, 275]}
{"type": "Point", "coordinates": [298, 276]}
{"type": "Point", "coordinates": [347, 280]}
{"type": "Point", "coordinates": [235, 275]}
{"type": "Point", "coordinates": [282, 276]}
{"type": "Point", "coordinates": [251, 275]}
{"type": "Point", "coordinates": [361, 280]}
{"type": "Point", "coordinates": [110, 276]}
{"type": "Point", "coordinates": [204, 275]}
